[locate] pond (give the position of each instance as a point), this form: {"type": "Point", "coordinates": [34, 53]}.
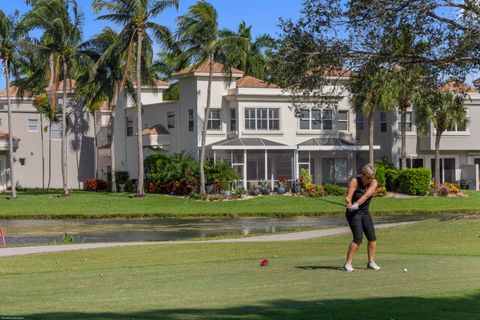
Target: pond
{"type": "Point", "coordinates": [34, 232]}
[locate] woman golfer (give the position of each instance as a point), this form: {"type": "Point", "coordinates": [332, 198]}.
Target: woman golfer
{"type": "Point", "coordinates": [360, 192]}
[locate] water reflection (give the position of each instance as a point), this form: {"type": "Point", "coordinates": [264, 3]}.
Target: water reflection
{"type": "Point", "coordinates": [30, 232]}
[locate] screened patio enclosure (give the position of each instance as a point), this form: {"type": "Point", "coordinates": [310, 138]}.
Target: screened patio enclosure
{"type": "Point", "coordinates": [256, 160]}
{"type": "Point", "coordinates": [331, 160]}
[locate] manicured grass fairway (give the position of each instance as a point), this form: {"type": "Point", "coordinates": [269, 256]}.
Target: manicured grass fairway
{"type": "Point", "coordinates": [97, 205]}
{"type": "Point", "coordinates": [225, 281]}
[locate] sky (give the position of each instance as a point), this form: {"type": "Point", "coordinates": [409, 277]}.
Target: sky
{"type": "Point", "coordinates": [263, 15]}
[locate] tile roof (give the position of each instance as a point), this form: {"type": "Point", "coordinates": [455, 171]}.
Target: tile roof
{"type": "Point", "coordinates": [5, 135]}
{"type": "Point", "coordinates": [156, 129]}
{"type": "Point", "coordinates": [13, 92]}
{"type": "Point", "coordinates": [457, 86]}
{"type": "Point", "coordinates": [216, 68]}
{"type": "Point", "coordinates": [252, 82]}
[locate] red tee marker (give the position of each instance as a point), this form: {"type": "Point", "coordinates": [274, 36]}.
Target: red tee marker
{"type": "Point", "coordinates": [264, 263]}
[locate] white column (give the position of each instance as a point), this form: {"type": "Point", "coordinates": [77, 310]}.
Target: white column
{"type": "Point", "coordinates": [266, 166]}
{"type": "Point", "coordinates": [214, 156]}
{"type": "Point", "coordinates": [296, 165]}
{"type": "Point", "coordinates": [245, 169]}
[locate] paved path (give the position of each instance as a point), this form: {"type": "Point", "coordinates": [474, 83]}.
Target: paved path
{"type": "Point", "coordinates": [18, 251]}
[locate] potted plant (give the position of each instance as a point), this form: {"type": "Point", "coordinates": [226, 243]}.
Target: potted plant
{"type": "Point", "coordinates": [282, 182]}
{"type": "Point", "coordinates": [265, 189]}
{"type": "Point", "coordinates": [226, 188]}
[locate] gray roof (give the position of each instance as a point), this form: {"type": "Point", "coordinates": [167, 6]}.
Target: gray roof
{"type": "Point", "coordinates": [247, 142]}
{"type": "Point", "coordinates": [336, 141]}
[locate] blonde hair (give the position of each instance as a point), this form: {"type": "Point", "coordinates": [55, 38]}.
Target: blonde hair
{"type": "Point", "coordinates": [368, 171]}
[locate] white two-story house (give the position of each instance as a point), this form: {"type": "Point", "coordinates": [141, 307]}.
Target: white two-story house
{"type": "Point", "coordinates": [252, 125]}
{"type": "Point", "coordinates": [459, 145]}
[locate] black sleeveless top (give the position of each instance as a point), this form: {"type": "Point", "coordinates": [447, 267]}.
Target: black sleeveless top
{"type": "Point", "coordinates": [359, 192]}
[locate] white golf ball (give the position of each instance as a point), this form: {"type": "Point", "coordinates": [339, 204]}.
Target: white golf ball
{"type": "Point", "coordinates": [405, 270]}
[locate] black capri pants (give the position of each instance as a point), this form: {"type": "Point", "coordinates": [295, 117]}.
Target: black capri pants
{"type": "Point", "coordinates": [361, 223]}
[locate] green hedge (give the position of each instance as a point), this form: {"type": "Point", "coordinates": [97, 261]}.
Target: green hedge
{"type": "Point", "coordinates": [415, 181]}
{"type": "Point", "coordinates": [334, 190]}
{"type": "Point", "coordinates": [391, 179]}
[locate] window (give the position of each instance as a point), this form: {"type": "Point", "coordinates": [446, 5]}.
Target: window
{"type": "Point", "coordinates": [56, 131]}
{"type": "Point", "coordinates": [262, 119]}
{"type": "Point", "coordinates": [22, 161]}
{"type": "Point", "coordinates": [190, 120]}
{"type": "Point", "coordinates": [342, 121]}
{"type": "Point", "coordinates": [412, 163]}
{"type": "Point", "coordinates": [457, 127]}
{"type": "Point", "coordinates": [129, 126]}
{"type": "Point", "coordinates": [233, 120]}
{"type": "Point", "coordinates": [170, 120]}
{"type": "Point", "coordinates": [409, 122]}
{"type": "Point", "coordinates": [32, 125]}
{"type": "Point", "coordinates": [335, 170]}
{"type": "Point", "coordinates": [214, 120]}
{"type": "Point", "coordinates": [383, 122]}
{"type": "Point", "coordinates": [316, 119]}
{"type": "Point", "coordinates": [360, 121]}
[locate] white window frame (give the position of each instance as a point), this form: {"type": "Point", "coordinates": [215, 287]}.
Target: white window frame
{"type": "Point", "coordinates": [32, 125]}
{"type": "Point", "coordinates": [383, 122]}
{"type": "Point", "coordinates": [128, 125]}
{"type": "Point", "coordinates": [170, 120]}
{"type": "Point", "coordinates": [313, 118]}
{"type": "Point", "coordinates": [212, 120]}
{"type": "Point", "coordinates": [339, 121]}
{"type": "Point", "coordinates": [407, 122]}
{"type": "Point", "coordinates": [191, 121]}
{"type": "Point", "coordinates": [233, 119]}
{"type": "Point", "coordinates": [56, 127]}
{"type": "Point", "coordinates": [360, 122]}
{"type": "Point", "coordinates": [260, 115]}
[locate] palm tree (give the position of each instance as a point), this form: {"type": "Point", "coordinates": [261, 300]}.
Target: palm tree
{"type": "Point", "coordinates": [255, 63]}
{"type": "Point", "coordinates": [12, 33]}
{"type": "Point", "coordinates": [45, 109]}
{"type": "Point", "coordinates": [441, 110]}
{"type": "Point", "coordinates": [410, 77]}
{"type": "Point", "coordinates": [372, 88]}
{"type": "Point", "coordinates": [135, 17]}
{"type": "Point", "coordinates": [61, 23]}
{"type": "Point", "coordinates": [108, 49]}
{"type": "Point", "coordinates": [201, 41]}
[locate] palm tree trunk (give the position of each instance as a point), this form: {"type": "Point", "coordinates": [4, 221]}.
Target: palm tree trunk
{"type": "Point", "coordinates": [112, 142]}
{"type": "Point", "coordinates": [371, 159]}
{"type": "Point", "coordinates": [49, 155]}
{"type": "Point", "coordinates": [140, 189]}
{"type": "Point", "coordinates": [403, 124]}
{"type": "Point", "coordinates": [10, 133]}
{"type": "Point", "coordinates": [64, 136]}
{"type": "Point", "coordinates": [203, 193]}
{"type": "Point", "coordinates": [437, 162]}
{"type": "Point", "coordinates": [95, 144]}
{"type": "Point", "coordinates": [43, 153]}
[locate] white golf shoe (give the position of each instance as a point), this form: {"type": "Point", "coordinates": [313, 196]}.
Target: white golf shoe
{"type": "Point", "coordinates": [372, 265]}
{"type": "Point", "coordinates": [348, 267]}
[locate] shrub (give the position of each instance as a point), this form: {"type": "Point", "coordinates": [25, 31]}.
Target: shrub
{"type": "Point", "coordinates": [380, 192]}
{"type": "Point", "coordinates": [443, 190]}
{"type": "Point", "coordinates": [95, 185]}
{"type": "Point", "coordinates": [391, 179]}
{"type": "Point", "coordinates": [380, 175]}
{"type": "Point", "coordinates": [313, 190]}
{"type": "Point", "coordinates": [305, 179]}
{"type": "Point", "coordinates": [334, 190]}
{"type": "Point", "coordinates": [121, 177]}
{"type": "Point", "coordinates": [220, 173]}
{"type": "Point", "coordinates": [174, 174]}
{"type": "Point", "coordinates": [90, 185]}
{"type": "Point", "coordinates": [453, 188]}
{"type": "Point", "coordinates": [415, 181]}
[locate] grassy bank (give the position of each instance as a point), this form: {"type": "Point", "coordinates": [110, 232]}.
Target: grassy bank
{"type": "Point", "coordinates": [98, 205]}
{"type": "Point", "coordinates": [225, 281]}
